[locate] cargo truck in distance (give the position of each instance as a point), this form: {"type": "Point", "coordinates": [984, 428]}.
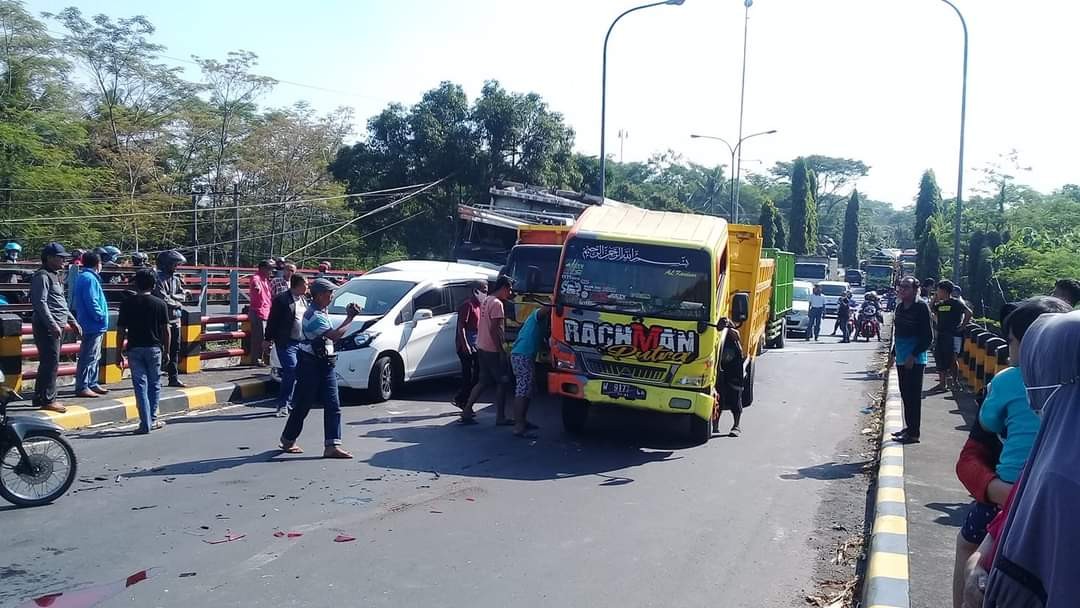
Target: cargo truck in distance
{"type": "Point", "coordinates": [815, 268]}
{"type": "Point", "coordinates": [643, 303]}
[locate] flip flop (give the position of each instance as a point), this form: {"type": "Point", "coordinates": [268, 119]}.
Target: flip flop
{"type": "Point", "coordinates": [292, 449]}
{"type": "Point", "coordinates": [467, 421]}
{"type": "Point", "coordinates": [504, 423]}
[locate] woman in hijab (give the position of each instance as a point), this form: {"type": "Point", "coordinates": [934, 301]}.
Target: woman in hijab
{"type": "Point", "coordinates": [1034, 564]}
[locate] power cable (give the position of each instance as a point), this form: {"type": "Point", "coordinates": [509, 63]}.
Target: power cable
{"type": "Point", "coordinates": [362, 237]}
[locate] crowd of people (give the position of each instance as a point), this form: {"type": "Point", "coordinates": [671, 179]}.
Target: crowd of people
{"type": "Point", "coordinates": [1020, 460]}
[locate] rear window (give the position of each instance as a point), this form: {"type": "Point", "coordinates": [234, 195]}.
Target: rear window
{"type": "Point", "coordinates": [833, 290]}
{"type": "Point", "coordinates": [811, 271]}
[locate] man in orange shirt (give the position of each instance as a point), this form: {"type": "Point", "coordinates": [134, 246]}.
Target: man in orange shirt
{"type": "Point", "coordinates": [491, 351]}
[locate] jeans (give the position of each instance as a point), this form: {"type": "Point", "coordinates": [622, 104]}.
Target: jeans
{"type": "Point", "coordinates": [845, 328]}
{"type": "Point", "coordinates": [315, 380]}
{"type": "Point", "coordinates": [145, 363]}
{"type": "Point", "coordinates": [815, 323]}
{"type": "Point", "coordinates": [172, 363]}
{"type": "Point", "coordinates": [48, 361]}
{"type": "Point", "coordinates": [286, 354]}
{"type": "Point", "coordinates": [911, 381]}
{"type": "Point", "coordinates": [86, 370]}
{"type": "Point", "coordinates": [470, 373]}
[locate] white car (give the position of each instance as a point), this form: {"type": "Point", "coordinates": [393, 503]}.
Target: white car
{"type": "Point", "coordinates": [798, 320]}
{"type": "Point", "coordinates": [832, 290]}
{"type": "Point", "coordinates": [431, 267]}
{"type": "Point", "coordinates": [405, 331]}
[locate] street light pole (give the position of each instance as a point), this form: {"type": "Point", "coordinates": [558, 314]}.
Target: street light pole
{"type": "Point", "coordinates": [742, 101]}
{"type": "Point", "coordinates": [735, 150]}
{"type": "Point", "coordinates": [603, 91]}
{"type": "Point", "coordinates": [960, 168]}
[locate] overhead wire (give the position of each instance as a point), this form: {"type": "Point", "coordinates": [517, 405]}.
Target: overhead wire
{"type": "Point", "coordinates": [364, 236]}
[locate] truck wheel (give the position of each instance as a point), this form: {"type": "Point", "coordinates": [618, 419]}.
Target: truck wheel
{"type": "Point", "coordinates": [574, 414]}
{"type": "Point", "coordinates": [699, 430]}
{"type": "Point", "coordinates": [748, 386]}
{"type": "Point", "coordinates": [778, 342]}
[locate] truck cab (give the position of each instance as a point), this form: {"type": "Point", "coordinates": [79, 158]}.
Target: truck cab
{"type": "Point", "coordinates": [642, 301]}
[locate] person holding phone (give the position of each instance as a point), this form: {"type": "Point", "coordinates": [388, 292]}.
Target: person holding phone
{"type": "Point", "coordinates": [315, 376]}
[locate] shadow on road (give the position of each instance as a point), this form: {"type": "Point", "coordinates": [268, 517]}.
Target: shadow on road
{"type": "Point", "coordinates": [829, 471]}
{"type": "Point", "coordinates": [202, 467]}
{"type": "Point", "coordinates": [953, 513]}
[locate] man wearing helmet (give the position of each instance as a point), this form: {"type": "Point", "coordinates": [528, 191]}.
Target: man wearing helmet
{"type": "Point", "coordinates": [139, 259]}
{"type": "Point", "coordinates": [109, 255]}
{"type": "Point", "coordinates": [12, 275]}
{"type": "Point", "coordinates": [168, 288]}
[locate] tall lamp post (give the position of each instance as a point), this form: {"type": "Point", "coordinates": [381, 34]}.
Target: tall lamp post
{"type": "Point", "coordinates": [742, 101]}
{"type": "Point", "coordinates": [736, 149]}
{"type": "Point", "coordinates": [603, 91]}
{"type": "Point", "coordinates": [960, 169]}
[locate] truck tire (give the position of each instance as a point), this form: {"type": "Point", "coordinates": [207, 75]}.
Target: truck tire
{"type": "Point", "coordinates": [748, 386]}
{"type": "Point", "coordinates": [778, 341]}
{"type": "Point", "coordinates": [700, 430]}
{"type": "Point", "coordinates": [575, 413]}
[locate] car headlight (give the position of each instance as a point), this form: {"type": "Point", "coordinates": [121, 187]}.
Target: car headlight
{"type": "Point", "coordinates": [357, 341]}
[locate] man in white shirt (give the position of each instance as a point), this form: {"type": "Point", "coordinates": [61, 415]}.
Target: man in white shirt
{"type": "Point", "coordinates": [283, 329]}
{"type": "Point", "coordinates": [817, 311]}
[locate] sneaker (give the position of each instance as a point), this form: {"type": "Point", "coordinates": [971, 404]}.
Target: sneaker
{"type": "Point", "coordinates": [908, 439]}
{"type": "Point", "coordinates": [735, 431]}
{"type": "Point", "coordinates": [101, 390]}
{"type": "Point", "coordinates": [281, 413]}
{"type": "Point", "coordinates": [158, 425]}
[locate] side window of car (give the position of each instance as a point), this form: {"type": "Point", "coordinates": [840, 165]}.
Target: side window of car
{"type": "Point", "coordinates": [435, 300]}
{"type": "Point", "coordinates": [459, 294]}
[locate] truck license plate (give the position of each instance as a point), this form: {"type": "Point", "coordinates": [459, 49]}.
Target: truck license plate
{"type": "Point", "coordinates": [618, 390]}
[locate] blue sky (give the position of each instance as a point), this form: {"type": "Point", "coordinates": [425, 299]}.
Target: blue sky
{"type": "Point", "coordinates": [876, 80]}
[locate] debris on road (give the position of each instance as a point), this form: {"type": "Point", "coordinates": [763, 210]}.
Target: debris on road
{"type": "Point", "coordinates": [352, 501]}
{"type": "Point", "coordinates": [187, 574]}
{"type": "Point", "coordinates": [143, 507]}
{"type": "Point", "coordinates": [344, 538]}
{"type": "Point", "coordinates": [229, 537]}
{"type": "Point", "coordinates": [290, 534]}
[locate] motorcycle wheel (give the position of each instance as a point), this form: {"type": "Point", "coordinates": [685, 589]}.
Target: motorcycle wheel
{"type": "Point", "coordinates": [53, 470]}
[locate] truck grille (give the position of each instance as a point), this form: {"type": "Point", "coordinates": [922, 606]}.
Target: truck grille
{"type": "Point", "coordinates": [627, 371]}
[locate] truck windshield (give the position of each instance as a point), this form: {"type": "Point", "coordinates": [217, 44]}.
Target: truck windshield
{"type": "Point", "coordinates": [649, 280]}
{"type": "Point", "coordinates": [543, 258]}
{"type": "Point", "coordinates": [879, 272]}
{"type": "Point", "coordinates": [811, 271]}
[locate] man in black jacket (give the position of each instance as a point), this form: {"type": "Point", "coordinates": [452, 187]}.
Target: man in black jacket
{"type": "Point", "coordinates": [912, 333]}
{"type": "Point", "coordinates": [283, 331]}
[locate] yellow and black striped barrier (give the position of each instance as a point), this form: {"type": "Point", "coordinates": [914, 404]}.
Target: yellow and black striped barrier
{"type": "Point", "coordinates": [11, 350]}
{"type": "Point", "coordinates": [108, 371]}
{"type": "Point", "coordinates": [191, 329]}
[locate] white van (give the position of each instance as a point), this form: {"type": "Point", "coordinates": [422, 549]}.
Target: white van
{"type": "Point", "coordinates": [406, 328]}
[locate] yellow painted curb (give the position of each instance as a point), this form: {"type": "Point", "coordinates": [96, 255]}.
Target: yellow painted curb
{"type": "Point", "coordinates": [200, 397]}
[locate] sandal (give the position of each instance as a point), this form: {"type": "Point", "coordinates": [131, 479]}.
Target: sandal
{"type": "Point", "coordinates": [336, 452]}
{"type": "Point", "coordinates": [291, 448]}
{"type": "Point", "coordinates": [506, 422]}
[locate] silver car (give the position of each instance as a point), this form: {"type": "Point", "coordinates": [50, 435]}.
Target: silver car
{"type": "Point", "coordinates": [798, 320]}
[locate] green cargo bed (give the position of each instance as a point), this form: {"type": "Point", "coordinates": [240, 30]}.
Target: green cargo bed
{"type": "Point", "coordinates": [783, 280]}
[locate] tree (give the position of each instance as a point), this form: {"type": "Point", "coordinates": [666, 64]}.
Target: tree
{"type": "Point", "coordinates": [781, 233]}
{"type": "Point", "coordinates": [768, 219]}
{"type": "Point", "coordinates": [850, 243]}
{"type": "Point", "coordinates": [803, 237]}
{"type": "Point", "coordinates": [927, 205]}
{"type": "Point", "coordinates": [931, 249]}
{"type": "Point", "coordinates": [974, 289]}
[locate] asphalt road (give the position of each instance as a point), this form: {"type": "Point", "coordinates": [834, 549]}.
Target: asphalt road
{"type": "Point", "coordinates": [444, 515]}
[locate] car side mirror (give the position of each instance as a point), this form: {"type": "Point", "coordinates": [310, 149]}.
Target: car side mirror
{"type": "Point", "coordinates": [422, 315]}
{"type": "Point", "coordinates": [740, 307]}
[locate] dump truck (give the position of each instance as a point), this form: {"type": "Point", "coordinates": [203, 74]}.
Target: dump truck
{"type": "Point", "coordinates": [643, 302]}
{"type": "Point", "coordinates": [782, 296]}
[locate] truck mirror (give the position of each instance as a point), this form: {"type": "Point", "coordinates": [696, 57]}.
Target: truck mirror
{"type": "Point", "coordinates": [740, 307]}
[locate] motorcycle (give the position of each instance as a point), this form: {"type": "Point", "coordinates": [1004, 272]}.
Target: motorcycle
{"type": "Point", "coordinates": [37, 465]}
{"type": "Point", "coordinates": [868, 326]}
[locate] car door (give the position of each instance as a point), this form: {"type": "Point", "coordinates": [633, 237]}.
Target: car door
{"type": "Point", "coordinates": [427, 344]}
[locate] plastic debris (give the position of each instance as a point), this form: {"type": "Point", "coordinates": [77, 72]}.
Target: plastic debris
{"type": "Point", "coordinates": [353, 501]}
{"type": "Point", "coordinates": [89, 596]}
{"type": "Point", "coordinates": [187, 574]}
{"type": "Point", "coordinates": [143, 507]}
{"type": "Point", "coordinates": [290, 534]}
{"type": "Point", "coordinates": [229, 537]}
{"type": "Point", "coordinates": [344, 538]}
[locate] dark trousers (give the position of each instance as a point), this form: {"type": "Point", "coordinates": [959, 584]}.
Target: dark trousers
{"type": "Point", "coordinates": [48, 361]}
{"type": "Point", "coordinates": [470, 373]}
{"type": "Point", "coordinates": [315, 381]}
{"type": "Point", "coordinates": [911, 394]}
{"type": "Point", "coordinates": [845, 327]}
{"type": "Point", "coordinates": [171, 363]}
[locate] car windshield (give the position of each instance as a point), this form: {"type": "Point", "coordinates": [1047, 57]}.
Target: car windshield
{"type": "Point", "coordinates": [543, 258]}
{"type": "Point", "coordinates": [373, 296]}
{"type": "Point", "coordinates": [832, 289]}
{"type": "Point", "coordinates": [811, 271]}
{"type": "Point", "coordinates": [802, 293]}
{"type": "Point", "coordinates": [650, 280]}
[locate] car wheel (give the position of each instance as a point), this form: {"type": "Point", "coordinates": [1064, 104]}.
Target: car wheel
{"type": "Point", "coordinates": [383, 380]}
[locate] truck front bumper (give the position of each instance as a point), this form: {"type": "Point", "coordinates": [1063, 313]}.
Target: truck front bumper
{"type": "Point", "coordinates": [654, 398]}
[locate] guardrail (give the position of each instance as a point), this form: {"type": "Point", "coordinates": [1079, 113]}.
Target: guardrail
{"type": "Point", "coordinates": [196, 331]}
{"type": "Point", "coordinates": [982, 355]}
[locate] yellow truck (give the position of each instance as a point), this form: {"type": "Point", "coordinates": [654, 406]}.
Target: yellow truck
{"type": "Point", "coordinates": [641, 311]}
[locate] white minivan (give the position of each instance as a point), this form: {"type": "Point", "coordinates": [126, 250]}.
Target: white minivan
{"type": "Point", "coordinates": [406, 327]}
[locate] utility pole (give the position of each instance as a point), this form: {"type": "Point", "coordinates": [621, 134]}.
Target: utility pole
{"type": "Point", "coordinates": [623, 136]}
{"type": "Point", "coordinates": [195, 196]}
{"type": "Point", "coordinates": [236, 225]}
{"type": "Point", "coordinates": [742, 101]}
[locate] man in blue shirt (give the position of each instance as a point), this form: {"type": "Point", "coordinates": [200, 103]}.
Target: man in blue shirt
{"type": "Point", "coordinates": [315, 375]}
{"type": "Point", "coordinates": [530, 340]}
{"type": "Point", "coordinates": [92, 311]}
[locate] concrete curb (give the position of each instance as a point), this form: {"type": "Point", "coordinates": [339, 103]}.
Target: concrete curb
{"type": "Point", "coordinates": [185, 399]}
{"type": "Point", "coordinates": [887, 584]}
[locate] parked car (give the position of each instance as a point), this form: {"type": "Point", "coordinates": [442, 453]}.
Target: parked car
{"type": "Point", "coordinates": [405, 331]}
{"type": "Point", "coordinates": [832, 290]}
{"type": "Point", "coordinates": [798, 320]}
{"type": "Point", "coordinates": [430, 266]}
{"type": "Point", "coordinates": [854, 277]}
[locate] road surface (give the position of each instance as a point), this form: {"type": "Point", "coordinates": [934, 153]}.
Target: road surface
{"type": "Point", "coordinates": [444, 515]}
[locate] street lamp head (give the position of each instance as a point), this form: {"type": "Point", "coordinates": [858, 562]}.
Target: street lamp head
{"type": "Point", "coordinates": [679, 2]}
{"type": "Point", "coordinates": [749, 3]}
{"type": "Point", "coordinates": [694, 136]}
{"type": "Point", "coordinates": [770, 132]}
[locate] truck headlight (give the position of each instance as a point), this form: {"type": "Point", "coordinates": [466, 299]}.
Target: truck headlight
{"type": "Point", "coordinates": [564, 358]}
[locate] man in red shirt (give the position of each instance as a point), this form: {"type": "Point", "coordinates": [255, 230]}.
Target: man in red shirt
{"type": "Point", "coordinates": [260, 297]}
{"type": "Point", "coordinates": [491, 352]}
{"type": "Point", "coordinates": [468, 318]}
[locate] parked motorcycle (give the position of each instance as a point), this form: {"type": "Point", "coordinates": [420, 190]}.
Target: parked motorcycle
{"type": "Point", "coordinates": [37, 465]}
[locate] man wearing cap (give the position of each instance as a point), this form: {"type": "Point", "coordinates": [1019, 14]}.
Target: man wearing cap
{"type": "Point", "coordinates": [259, 295]}
{"type": "Point", "coordinates": [315, 376]}
{"type": "Point", "coordinates": [51, 315]}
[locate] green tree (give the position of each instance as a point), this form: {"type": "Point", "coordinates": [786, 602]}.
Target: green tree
{"type": "Point", "coordinates": [781, 233]}
{"type": "Point", "coordinates": [768, 219]}
{"type": "Point", "coordinates": [974, 288]}
{"type": "Point", "coordinates": [850, 250]}
{"type": "Point", "coordinates": [803, 237]}
{"type": "Point", "coordinates": [931, 249]}
{"type": "Point", "coordinates": [927, 205]}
